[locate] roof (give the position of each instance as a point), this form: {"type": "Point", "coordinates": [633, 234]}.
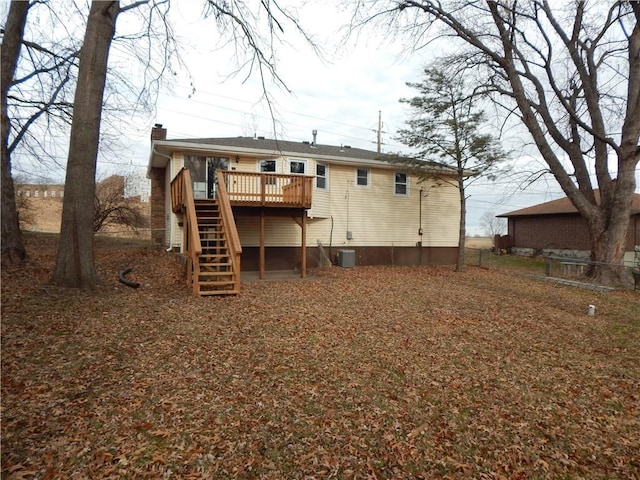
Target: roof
{"type": "Point", "coordinates": [562, 206]}
{"type": "Point", "coordinates": [286, 146]}
{"type": "Point", "coordinates": [261, 147]}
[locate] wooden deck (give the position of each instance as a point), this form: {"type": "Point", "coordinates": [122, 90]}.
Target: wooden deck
{"type": "Point", "coordinates": [210, 237]}
{"type": "Point", "coordinates": [246, 189]}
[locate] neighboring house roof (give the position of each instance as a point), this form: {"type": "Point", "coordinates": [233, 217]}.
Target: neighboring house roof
{"type": "Point", "coordinates": [562, 206]}
{"type": "Point", "coordinates": [266, 148]}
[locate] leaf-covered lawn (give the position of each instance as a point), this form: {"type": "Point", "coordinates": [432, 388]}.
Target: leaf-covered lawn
{"type": "Point", "coordinates": [353, 373]}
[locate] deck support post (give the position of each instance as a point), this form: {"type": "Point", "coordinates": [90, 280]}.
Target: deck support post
{"type": "Point", "coordinates": [303, 256]}
{"type": "Point", "coordinates": [262, 262]}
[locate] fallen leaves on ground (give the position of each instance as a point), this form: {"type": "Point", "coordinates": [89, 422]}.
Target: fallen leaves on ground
{"type": "Point", "coordinates": [369, 372]}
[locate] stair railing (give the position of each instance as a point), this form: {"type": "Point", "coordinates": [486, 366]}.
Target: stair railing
{"type": "Point", "coordinates": [229, 227]}
{"type": "Point", "coordinates": [182, 201]}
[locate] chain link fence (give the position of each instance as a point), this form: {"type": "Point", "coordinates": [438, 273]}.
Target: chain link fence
{"type": "Point", "coordinates": [572, 270]}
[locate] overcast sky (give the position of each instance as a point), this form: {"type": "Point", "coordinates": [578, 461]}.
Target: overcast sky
{"type": "Point", "coordinates": [340, 96]}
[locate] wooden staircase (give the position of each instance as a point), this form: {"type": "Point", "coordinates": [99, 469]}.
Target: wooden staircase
{"type": "Point", "coordinates": [210, 242]}
{"type": "Point", "coordinates": [215, 275]}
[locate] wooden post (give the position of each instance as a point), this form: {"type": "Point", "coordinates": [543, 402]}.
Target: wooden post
{"type": "Point", "coordinates": [303, 256]}
{"type": "Point", "coordinates": [547, 267]}
{"type": "Point", "coordinates": [262, 262]}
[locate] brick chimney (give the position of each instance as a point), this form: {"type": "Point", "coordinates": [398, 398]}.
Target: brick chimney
{"type": "Point", "coordinates": [158, 133]}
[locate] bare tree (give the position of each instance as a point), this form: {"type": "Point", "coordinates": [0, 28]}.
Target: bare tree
{"type": "Point", "coordinates": [13, 251]}
{"type": "Point", "coordinates": [570, 72]}
{"type": "Point", "coordinates": [493, 225]}
{"type": "Point", "coordinates": [75, 263]}
{"type": "Point", "coordinates": [24, 207]}
{"type": "Point", "coordinates": [113, 209]}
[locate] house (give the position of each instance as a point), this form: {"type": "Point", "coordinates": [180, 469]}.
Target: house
{"type": "Point", "coordinates": [557, 227]}
{"type": "Point", "coordinates": [293, 204]}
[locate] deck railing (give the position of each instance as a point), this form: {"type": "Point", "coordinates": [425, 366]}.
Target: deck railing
{"type": "Point", "coordinates": [182, 201]}
{"type": "Point", "coordinates": [229, 227]}
{"type": "Point", "coordinates": [268, 189]}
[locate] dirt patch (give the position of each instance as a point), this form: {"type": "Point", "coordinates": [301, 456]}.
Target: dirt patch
{"type": "Point", "coordinates": [41, 214]}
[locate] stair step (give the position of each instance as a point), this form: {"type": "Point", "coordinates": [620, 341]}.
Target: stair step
{"type": "Point", "coordinates": [218, 292]}
{"type": "Point", "coordinates": [216, 283]}
{"type": "Point", "coordinates": [210, 273]}
{"type": "Point", "coordinates": [216, 275]}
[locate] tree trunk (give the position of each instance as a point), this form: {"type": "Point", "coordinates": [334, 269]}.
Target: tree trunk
{"type": "Point", "coordinates": [75, 263]}
{"type": "Point", "coordinates": [13, 251]}
{"type": "Point", "coordinates": [609, 235]}
{"type": "Point", "coordinates": [462, 235]}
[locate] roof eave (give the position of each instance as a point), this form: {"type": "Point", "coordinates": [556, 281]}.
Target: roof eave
{"type": "Point", "coordinates": [160, 150]}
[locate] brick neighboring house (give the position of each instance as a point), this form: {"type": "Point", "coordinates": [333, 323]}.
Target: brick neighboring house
{"type": "Point", "coordinates": [557, 227]}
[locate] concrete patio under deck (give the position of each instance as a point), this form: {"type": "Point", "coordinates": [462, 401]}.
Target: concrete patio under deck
{"type": "Point", "coordinates": [273, 276]}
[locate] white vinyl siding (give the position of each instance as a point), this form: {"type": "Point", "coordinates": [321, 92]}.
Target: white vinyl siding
{"type": "Point", "coordinates": [373, 215]}
{"type": "Point", "coordinates": [175, 231]}
{"type": "Point", "coordinates": [377, 218]}
{"type": "Point", "coordinates": [278, 231]}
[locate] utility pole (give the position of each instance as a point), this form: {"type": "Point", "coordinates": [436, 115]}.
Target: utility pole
{"type": "Point", "coordinates": [379, 131]}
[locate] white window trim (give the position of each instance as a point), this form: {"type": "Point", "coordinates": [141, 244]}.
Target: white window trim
{"type": "Point", "coordinates": [326, 177]}
{"type": "Point", "coordinates": [259, 162]}
{"type": "Point", "coordinates": [406, 194]}
{"type": "Point", "coordinates": [297, 160]}
{"type": "Point", "coordinates": [368, 170]}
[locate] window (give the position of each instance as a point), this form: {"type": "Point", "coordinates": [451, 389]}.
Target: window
{"type": "Point", "coordinates": [362, 177]}
{"type": "Point", "coordinates": [297, 167]}
{"type": "Point", "coordinates": [321, 176]}
{"type": "Point", "coordinates": [402, 188]}
{"type": "Point", "coordinates": [268, 166]}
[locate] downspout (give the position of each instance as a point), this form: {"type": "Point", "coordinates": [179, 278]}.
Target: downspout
{"type": "Point", "coordinates": [420, 231]}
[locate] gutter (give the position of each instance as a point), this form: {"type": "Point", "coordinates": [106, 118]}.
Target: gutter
{"type": "Point", "coordinates": [270, 153]}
